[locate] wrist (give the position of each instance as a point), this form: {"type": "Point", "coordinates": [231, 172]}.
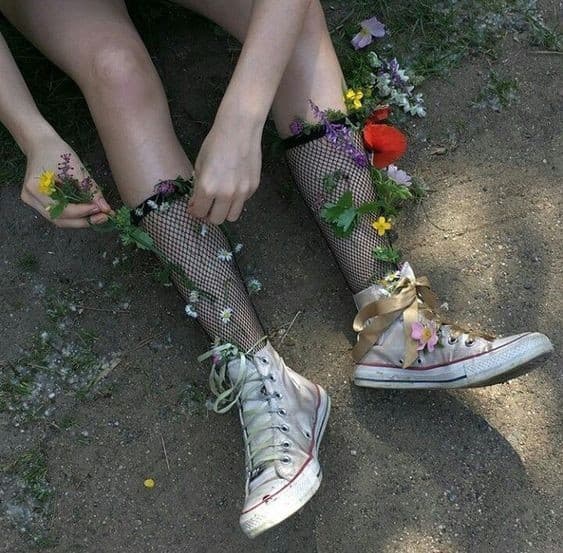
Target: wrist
{"type": "Point", "coordinates": [244, 114]}
{"type": "Point", "coordinates": [34, 135]}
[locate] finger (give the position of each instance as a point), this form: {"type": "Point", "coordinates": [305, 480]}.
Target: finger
{"type": "Point", "coordinates": [98, 219]}
{"type": "Point", "coordinates": [235, 210]}
{"type": "Point", "coordinates": [79, 211]}
{"type": "Point", "coordinates": [101, 202]}
{"type": "Point", "coordinates": [72, 223]}
{"type": "Point", "coordinates": [219, 211]}
{"type": "Point", "coordinates": [200, 204]}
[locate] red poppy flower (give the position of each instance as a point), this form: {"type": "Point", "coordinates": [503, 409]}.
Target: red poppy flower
{"type": "Point", "coordinates": [386, 143]}
{"type": "Point", "coordinates": [379, 114]}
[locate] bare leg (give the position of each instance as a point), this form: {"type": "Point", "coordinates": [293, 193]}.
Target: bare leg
{"type": "Point", "coordinates": [101, 50]}
{"type": "Point", "coordinates": [313, 72]}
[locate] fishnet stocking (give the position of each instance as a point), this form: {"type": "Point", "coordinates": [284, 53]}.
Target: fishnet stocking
{"type": "Point", "coordinates": [310, 162]}
{"type": "Point", "coordinates": [196, 249]}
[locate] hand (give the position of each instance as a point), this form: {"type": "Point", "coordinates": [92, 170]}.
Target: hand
{"type": "Point", "coordinates": [227, 171]}
{"type": "Point", "coordinates": [45, 155]}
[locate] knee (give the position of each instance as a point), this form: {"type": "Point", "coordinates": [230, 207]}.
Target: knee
{"type": "Point", "coordinates": [122, 69]}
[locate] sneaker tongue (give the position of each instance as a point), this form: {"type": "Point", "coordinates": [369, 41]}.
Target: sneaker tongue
{"type": "Point", "coordinates": [407, 272]}
{"type": "Point", "coordinates": [377, 292]}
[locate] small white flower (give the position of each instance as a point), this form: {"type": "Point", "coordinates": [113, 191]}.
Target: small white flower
{"type": "Point", "coordinates": [383, 84]}
{"type": "Point", "coordinates": [203, 230]}
{"type": "Point", "coordinates": [238, 247]}
{"type": "Point", "coordinates": [152, 204]}
{"type": "Point", "coordinates": [164, 206]}
{"type": "Point", "coordinates": [226, 314]}
{"type": "Point", "coordinates": [194, 296]}
{"type": "Point", "coordinates": [253, 285]}
{"type": "Point", "coordinates": [139, 212]}
{"type": "Point", "coordinates": [225, 255]}
{"type": "Point", "coordinates": [190, 311]}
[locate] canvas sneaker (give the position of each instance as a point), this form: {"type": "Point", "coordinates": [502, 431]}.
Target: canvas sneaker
{"type": "Point", "coordinates": [283, 417]}
{"type": "Point", "coordinates": [403, 343]}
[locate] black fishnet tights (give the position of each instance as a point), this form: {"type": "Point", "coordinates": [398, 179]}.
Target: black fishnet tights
{"type": "Point", "coordinates": [309, 163]}
{"type": "Point", "coordinates": [196, 249]}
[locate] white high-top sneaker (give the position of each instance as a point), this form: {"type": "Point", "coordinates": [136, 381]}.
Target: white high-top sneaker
{"type": "Point", "coordinates": [283, 417]}
{"type": "Point", "coordinates": [402, 343]}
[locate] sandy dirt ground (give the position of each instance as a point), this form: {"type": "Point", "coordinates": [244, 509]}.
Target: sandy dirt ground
{"type": "Point", "coordinates": [464, 472]}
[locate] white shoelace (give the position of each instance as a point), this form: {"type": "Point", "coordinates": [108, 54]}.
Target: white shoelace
{"type": "Point", "coordinates": [257, 436]}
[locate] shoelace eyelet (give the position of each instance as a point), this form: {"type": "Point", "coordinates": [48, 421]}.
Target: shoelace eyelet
{"type": "Point", "coordinates": [452, 340]}
{"type": "Point", "coordinates": [285, 444]}
{"type": "Point", "coordinates": [282, 412]}
{"type": "Point", "coordinates": [307, 434]}
{"type": "Point", "coordinates": [284, 428]}
{"type": "Point", "coordinates": [469, 343]}
{"type": "Point", "coordinates": [419, 360]}
{"type": "Point", "coordinates": [277, 395]}
{"type": "Point", "coordinates": [286, 459]}
{"type": "Point", "coordinates": [273, 377]}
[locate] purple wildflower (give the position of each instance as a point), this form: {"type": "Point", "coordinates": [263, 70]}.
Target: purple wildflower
{"type": "Point", "coordinates": [398, 175]}
{"type": "Point", "coordinates": [64, 168]}
{"type": "Point", "coordinates": [85, 184]}
{"type": "Point", "coordinates": [165, 187]}
{"type": "Point", "coordinates": [296, 127]}
{"type": "Point", "coordinates": [370, 29]}
{"type": "Point", "coordinates": [341, 136]}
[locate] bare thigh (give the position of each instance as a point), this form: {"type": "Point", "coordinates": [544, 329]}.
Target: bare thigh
{"type": "Point", "coordinates": [97, 45]}
{"type": "Point", "coordinates": [69, 31]}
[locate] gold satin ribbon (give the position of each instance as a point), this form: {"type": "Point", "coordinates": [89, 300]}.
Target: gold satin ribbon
{"type": "Point", "coordinates": [374, 318]}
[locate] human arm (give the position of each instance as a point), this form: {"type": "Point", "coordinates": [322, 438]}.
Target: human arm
{"type": "Point", "coordinates": [227, 169]}
{"type": "Point", "coordinates": [42, 146]}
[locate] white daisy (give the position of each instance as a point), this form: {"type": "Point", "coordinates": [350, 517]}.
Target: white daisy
{"type": "Point", "coordinates": [238, 247]}
{"type": "Point", "coordinates": [152, 204]}
{"type": "Point", "coordinates": [194, 296]}
{"type": "Point", "coordinates": [225, 255]}
{"type": "Point", "coordinates": [190, 311]}
{"type": "Point", "coordinates": [253, 285]}
{"type": "Point", "coordinates": [226, 314]}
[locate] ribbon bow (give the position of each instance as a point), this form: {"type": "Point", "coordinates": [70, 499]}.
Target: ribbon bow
{"type": "Point", "coordinates": [374, 318]}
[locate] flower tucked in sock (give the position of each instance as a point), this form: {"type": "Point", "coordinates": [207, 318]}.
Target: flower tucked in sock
{"type": "Point", "coordinates": [325, 164]}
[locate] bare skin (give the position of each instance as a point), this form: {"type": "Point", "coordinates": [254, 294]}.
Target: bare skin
{"type": "Point", "coordinates": [42, 146]}
{"type": "Point", "coordinates": [287, 58]}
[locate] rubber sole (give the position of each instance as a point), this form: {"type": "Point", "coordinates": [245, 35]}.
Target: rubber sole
{"type": "Point", "coordinates": [495, 367]}
{"type": "Point", "coordinates": [297, 493]}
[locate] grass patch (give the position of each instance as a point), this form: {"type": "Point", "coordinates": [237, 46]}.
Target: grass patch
{"type": "Point", "coordinates": [27, 498]}
{"type": "Point", "coordinates": [499, 93]}
{"type": "Point", "coordinates": [28, 262]}
{"type": "Point", "coordinates": [433, 37]}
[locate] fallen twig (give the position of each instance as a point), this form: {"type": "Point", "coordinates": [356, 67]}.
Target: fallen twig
{"type": "Point", "coordinates": [165, 454]}
{"type": "Point", "coordinates": [289, 327]}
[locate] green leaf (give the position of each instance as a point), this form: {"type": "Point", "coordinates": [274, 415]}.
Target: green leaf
{"type": "Point", "coordinates": [56, 209]}
{"type": "Point", "coordinates": [330, 181]}
{"type": "Point", "coordinates": [342, 215]}
{"type": "Point", "coordinates": [387, 254]}
{"type": "Point", "coordinates": [141, 238]}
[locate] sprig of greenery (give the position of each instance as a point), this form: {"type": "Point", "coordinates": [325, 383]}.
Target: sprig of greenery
{"type": "Point", "coordinates": [65, 192]}
{"type": "Point", "coordinates": [387, 254]}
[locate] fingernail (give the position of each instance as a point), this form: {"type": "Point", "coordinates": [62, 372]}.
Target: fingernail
{"type": "Point", "coordinates": [94, 210]}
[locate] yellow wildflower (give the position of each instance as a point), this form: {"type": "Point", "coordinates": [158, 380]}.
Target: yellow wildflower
{"type": "Point", "coordinates": [149, 483]}
{"type": "Point", "coordinates": [382, 225]}
{"type": "Point", "coordinates": [47, 183]}
{"type": "Point", "coordinates": [353, 98]}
